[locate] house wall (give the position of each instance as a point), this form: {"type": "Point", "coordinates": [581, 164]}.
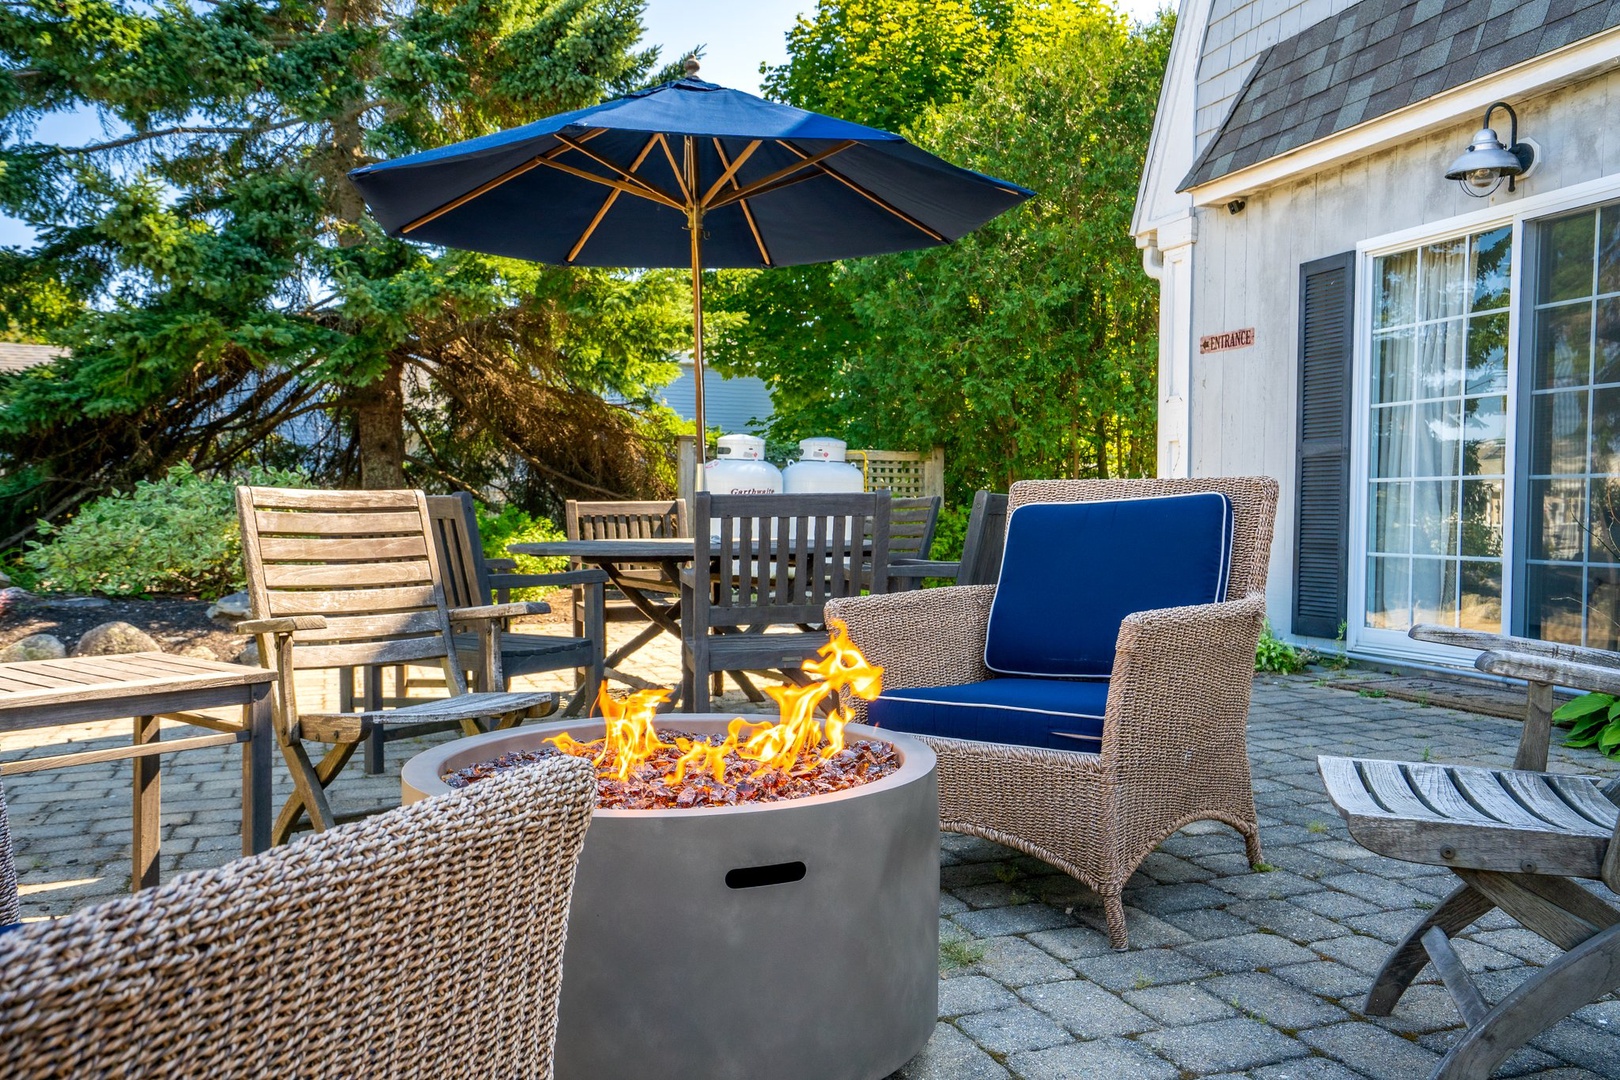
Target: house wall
{"type": "Point", "coordinates": [1239, 31]}
{"type": "Point", "coordinates": [1243, 403]}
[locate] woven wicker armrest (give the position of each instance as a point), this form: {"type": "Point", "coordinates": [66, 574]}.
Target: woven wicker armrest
{"type": "Point", "coordinates": [933, 637]}
{"type": "Point", "coordinates": [560, 580]}
{"type": "Point", "coordinates": [285, 625]}
{"type": "Point", "coordinates": [1181, 684]}
{"type": "Point", "coordinates": [491, 612]}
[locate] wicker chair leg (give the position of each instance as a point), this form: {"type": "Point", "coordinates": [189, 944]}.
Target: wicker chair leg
{"type": "Point", "coordinates": [309, 788]}
{"type": "Point", "coordinates": [1251, 845]}
{"type": "Point", "coordinates": [1114, 911]}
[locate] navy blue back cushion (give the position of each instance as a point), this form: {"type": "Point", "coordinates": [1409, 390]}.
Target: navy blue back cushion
{"type": "Point", "coordinates": [1072, 571]}
{"type": "Point", "coordinates": [1058, 714]}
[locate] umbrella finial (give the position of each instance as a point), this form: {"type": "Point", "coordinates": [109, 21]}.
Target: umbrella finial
{"type": "Point", "coordinates": [690, 65]}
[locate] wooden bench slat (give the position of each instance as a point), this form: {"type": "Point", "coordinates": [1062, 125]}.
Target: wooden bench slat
{"type": "Point", "coordinates": [359, 627]}
{"type": "Point", "coordinates": [1346, 788]}
{"type": "Point", "coordinates": [343, 601]}
{"type": "Point", "coordinates": [1388, 785]}
{"type": "Point", "coordinates": [1582, 795]}
{"type": "Point", "coordinates": [340, 548]}
{"type": "Point", "coordinates": [1484, 789]}
{"type": "Point", "coordinates": [276, 523]}
{"type": "Point", "coordinates": [399, 651]}
{"type": "Point", "coordinates": [1532, 791]}
{"type": "Point", "coordinates": [318, 499]}
{"type": "Point", "coordinates": [413, 572]}
{"type": "Point", "coordinates": [1440, 792]}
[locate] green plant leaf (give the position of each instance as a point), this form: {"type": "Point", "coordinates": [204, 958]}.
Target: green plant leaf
{"type": "Point", "coordinates": [1583, 706]}
{"type": "Point", "coordinates": [1609, 740]}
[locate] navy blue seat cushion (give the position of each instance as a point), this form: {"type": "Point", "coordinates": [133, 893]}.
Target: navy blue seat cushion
{"type": "Point", "coordinates": [1072, 571]}
{"type": "Point", "coordinates": [1059, 714]}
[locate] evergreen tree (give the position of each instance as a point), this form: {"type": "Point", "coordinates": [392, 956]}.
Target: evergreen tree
{"type": "Point", "coordinates": [215, 275]}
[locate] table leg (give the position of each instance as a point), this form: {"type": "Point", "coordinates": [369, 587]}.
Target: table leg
{"type": "Point", "coordinates": [256, 755]}
{"type": "Point", "coordinates": [146, 834]}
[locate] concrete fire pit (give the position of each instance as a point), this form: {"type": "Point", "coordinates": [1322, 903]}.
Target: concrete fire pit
{"type": "Point", "coordinates": [797, 940]}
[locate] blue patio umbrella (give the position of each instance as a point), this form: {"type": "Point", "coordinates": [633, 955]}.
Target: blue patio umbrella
{"type": "Point", "coordinates": [684, 174]}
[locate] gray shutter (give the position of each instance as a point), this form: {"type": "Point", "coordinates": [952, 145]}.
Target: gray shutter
{"type": "Point", "coordinates": [1321, 553]}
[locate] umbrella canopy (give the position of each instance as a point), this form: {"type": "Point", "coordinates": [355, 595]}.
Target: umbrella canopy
{"type": "Point", "coordinates": [687, 174]}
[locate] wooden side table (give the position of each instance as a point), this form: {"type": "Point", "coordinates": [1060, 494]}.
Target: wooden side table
{"type": "Point", "coordinates": [148, 687]}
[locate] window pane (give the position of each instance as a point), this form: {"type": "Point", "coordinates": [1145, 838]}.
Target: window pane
{"type": "Point", "coordinates": [1434, 517]}
{"type": "Point", "coordinates": [1484, 436]}
{"type": "Point", "coordinates": [1390, 520]}
{"type": "Point", "coordinates": [1434, 591]}
{"type": "Point", "coordinates": [1559, 443]}
{"type": "Point", "coordinates": [1608, 340]}
{"type": "Point", "coordinates": [1392, 441]}
{"type": "Point", "coordinates": [1482, 510]}
{"type": "Point", "coordinates": [1566, 258]}
{"type": "Point", "coordinates": [1440, 359]}
{"type": "Point", "coordinates": [1394, 366]}
{"type": "Point", "coordinates": [1480, 605]}
{"type": "Point", "coordinates": [1487, 354]}
{"type": "Point", "coordinates": [1554, 603]}
{"type": "Point", "coordinates": [1389, 593]}
{"type": "Point", "coordinates": [1606, 431]}
{"type": "Point", "coordinates": [1446, 286]}
{"type": "Point", "coordinates": [1396, 302]}
{"type": "Point", "coordinates": [1603, 607]}
{"type": "Point", "coordinates": [1603, 527]}
{"type": "Point", "coordinates": [1557, 519]}
{"type": "Point", "coordinates": [1492, 268]}
{"type": "Point", "coordinates": [1609, 250]}
{"type": "Point", "coordinates": [1438, 436]}
{"type": "Point", "coordinates": [1563, 346]}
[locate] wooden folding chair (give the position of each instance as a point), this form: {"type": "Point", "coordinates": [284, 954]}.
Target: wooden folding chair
{"type": "Point", "coordinates": [344, 579]}
{"type": "Point", "coordinates": [1517, 839]}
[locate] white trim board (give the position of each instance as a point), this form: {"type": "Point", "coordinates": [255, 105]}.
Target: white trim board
{"type": "Point", "coordinates": [1540, 74]}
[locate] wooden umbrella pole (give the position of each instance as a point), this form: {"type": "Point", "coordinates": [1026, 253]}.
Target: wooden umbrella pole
{"type": "Point", "coordinates": [694, 220]}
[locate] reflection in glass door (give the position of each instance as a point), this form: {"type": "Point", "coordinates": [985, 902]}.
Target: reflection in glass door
{"type": "Point", "coordinates": [1573, 559]}
{"type": "Point", "coordinates": [1438, 434]}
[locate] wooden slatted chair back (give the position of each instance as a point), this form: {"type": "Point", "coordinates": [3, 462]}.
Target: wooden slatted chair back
{"type": "Point", "coordinates": [782, 557]}
{"type": "Point", "coordinates": [647, 520]}
{"type": "Point", "coordinates": [985, 541]}
{"type": "Point", "coordinates": [363, 560]}
{"type": "Point", "coordinates": [911, 526]}
{"type": "Point", "coordinates": [461, 556]}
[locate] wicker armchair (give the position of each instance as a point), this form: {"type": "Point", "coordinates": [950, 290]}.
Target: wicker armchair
{"type": "Point", "coordinates": [426, 941]}
{"type": "Point", "coordinates": [1172, 746]}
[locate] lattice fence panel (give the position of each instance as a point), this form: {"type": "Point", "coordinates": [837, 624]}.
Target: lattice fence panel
{"type": "Point", "coordinates": [905, 473]}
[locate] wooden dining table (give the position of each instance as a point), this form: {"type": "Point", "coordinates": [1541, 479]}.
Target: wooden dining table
{"type": "Point", "coordinates": [149, 687]}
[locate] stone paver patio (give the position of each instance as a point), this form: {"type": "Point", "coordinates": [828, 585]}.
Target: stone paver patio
{"type": "Point", "coordinates": [1231, 972]}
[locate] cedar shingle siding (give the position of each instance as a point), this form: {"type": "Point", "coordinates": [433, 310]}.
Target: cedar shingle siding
{"type": "Point", "coordinates": [1379, 56]}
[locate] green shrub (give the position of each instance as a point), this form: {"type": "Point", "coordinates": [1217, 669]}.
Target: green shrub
{"type": "Point", "coordinates": [515, 526]}
{"type": "Point", "coordinates": [1594, 720]}
{"type": "Point", "coordinates": [950, 532]}
{"type": "Point", "coordinates": [177, 534]}
{"type": "Point", "coordinates": [1276, 655]}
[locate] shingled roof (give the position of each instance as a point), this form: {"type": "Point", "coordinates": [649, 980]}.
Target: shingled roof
{"type": "Point", "coordinates": [1379, 56]}
{"type": "Point", "coordinates": [17, 357]}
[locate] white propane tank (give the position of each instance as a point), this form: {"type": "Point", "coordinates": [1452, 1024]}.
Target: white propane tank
{"type": "Point", "coordinates": [821, 468]}
{"type": "Point", "coordinates": [739, 468]}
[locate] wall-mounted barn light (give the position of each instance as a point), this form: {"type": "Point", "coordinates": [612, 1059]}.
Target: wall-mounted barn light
{"type": "Point", "coordinates": [1482, 166]}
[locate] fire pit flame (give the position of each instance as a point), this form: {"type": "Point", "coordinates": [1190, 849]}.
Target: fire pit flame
{"type": "Point", "coordinates": [796, 744]}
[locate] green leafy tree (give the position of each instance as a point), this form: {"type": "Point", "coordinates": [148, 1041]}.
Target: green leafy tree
{"type": "Point", "coordinates": [216, 276]}
{"type": "Point", "coordinates": [1027, 348]}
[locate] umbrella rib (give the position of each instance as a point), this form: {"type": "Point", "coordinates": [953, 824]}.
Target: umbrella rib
{"type": "Point", "coordinates": [489, 185]}
{"type": "Point", "coordinates": [674, 168]}
{"type": "Point", "coordinates": [607, 205]}
{"type": "Point", "coordinates": [652, 195]}
{"type": "Point", "coordinates": [858, 189]}
{"type": "Point", "coordinates": [748, 214]}
{"type": "Point", "coordinates": [731, 169]}
{"type": "Point", "coordinates": [773, 181]}
{"type": "Point", "coordinates": [628, 177]}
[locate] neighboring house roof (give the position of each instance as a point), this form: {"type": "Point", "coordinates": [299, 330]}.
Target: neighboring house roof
{"type": "Point", "coordinates": [732, 405]}
{"type": "Point", "coordinates": [18, 357]}
{"type": "Point", "coordinates": [1379, 56]}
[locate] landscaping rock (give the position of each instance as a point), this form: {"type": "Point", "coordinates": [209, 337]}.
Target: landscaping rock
{"type": "Point", "coordinates": [5, 580]}
{"type": "Point", "coordinates": [80, 602]}
{"type": "Point", "coordinates": [234, 606]}
{"type": "Point", "coordinates": [13, 597]}
{"type": "Point", "coordinates": [114, 637]}
{"type": "Point", "coordinates": [33, 647]}
{"type": "Point", "coordinates": [201, 652]}
{"type": "Point", "coordinates": [249, 655]}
